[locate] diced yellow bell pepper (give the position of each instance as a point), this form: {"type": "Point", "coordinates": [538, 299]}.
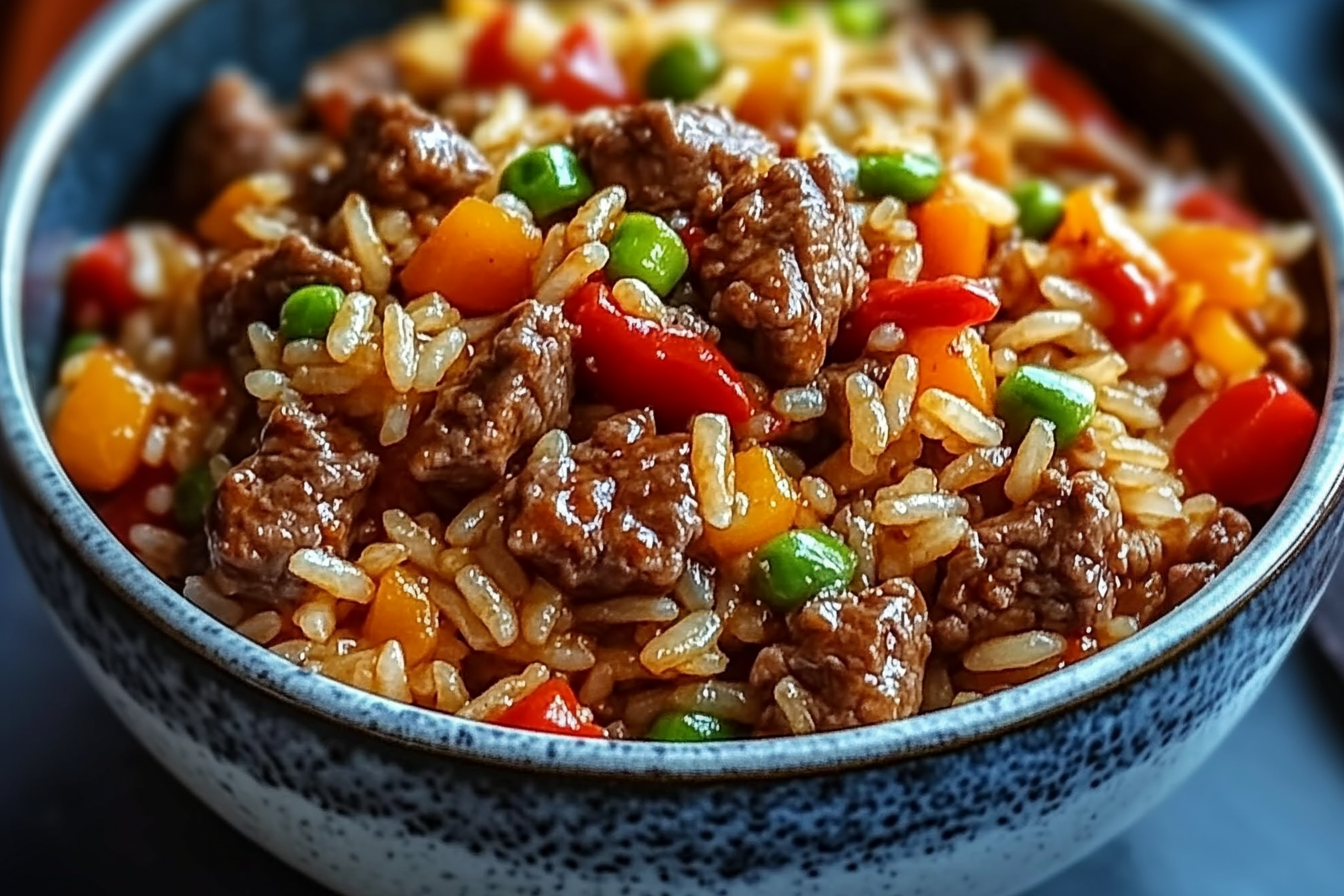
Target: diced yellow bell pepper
{"type": "Point", "coordinates": [955, 237]}
{"type": "Point", "coordinates": [1189, 298]}
{"type": "Point", "coordinates": [99, 432]}
{"type": "Point", "coordinates": [402, 611]}
{"type": "Point", "coordinates": [771, 506]}
{"type": "Point", "coordinates": [1224, 343]}
{"type": "Point", "coordinates": [955, 360]}
{"type": "Point", "coordinates": [1232, 264]}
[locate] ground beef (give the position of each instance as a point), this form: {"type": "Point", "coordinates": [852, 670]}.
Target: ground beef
{"type": "Point", "coordinates": [302, 489]}
{"type": "Point", "coordinates": [251, 286]}
{"type": "Point", "coordinates": [1209, 553]}
{"type": "Point", "coordinates": [234, 132]}
{"type": "Point", "coordinates": [859, 656]}
{"type": "Point", "coordinates": [786, 264]}
{"type": "Point", "coordinates": [336, 86]}
{"type": "Point", "coordinates": [670, 158]}
{"type": "Point", "coordinates": [400, 156]}
{"type": "Point", "coordinates": [1049, 564]}
{"type": "Point", "coordinates": [614, 517]}
{"type": "Point", "coordinates": [514, 392]}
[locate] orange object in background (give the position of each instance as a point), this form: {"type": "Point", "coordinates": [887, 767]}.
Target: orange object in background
{"type": "Point", "coordinates": [36, 32]}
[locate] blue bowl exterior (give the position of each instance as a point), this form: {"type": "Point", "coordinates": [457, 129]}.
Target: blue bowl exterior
{"type": "Point", "coordinates": [371, 808]}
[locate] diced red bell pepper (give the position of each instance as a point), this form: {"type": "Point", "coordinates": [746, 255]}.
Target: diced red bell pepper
{"type": "Point", "coordinates": [946, 302]}
{"type": "Point", "coordinates": [1137, 303]}
{"type": "Point", "coordinates": [883, 256]}
{"type": "Point", "coordinates": [209, 384]}
{"type": "Point", "coordinates": [550, 709]}
{"type": "Point", "coordinates": [125, 508]}
{"type": "Point", "coordinates": [636, 363]}
{"type": "Point", "coordinates": [1248, 447]}
{"type": "Point", "coordinates": [99, 291]}
{"type": "Point", "coordinates": [693, 237]}
{"type": "Point", "coordinates": [582, 73]}
{"type": "Point", "coordinates": [1216, 207]}
{"type": "Point", "coordinates": [1068, 91]}
{"type": "Point", "coordinates": [489, 63]}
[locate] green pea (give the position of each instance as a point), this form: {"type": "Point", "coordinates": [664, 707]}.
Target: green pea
{"type": "Point", "coordinates": [308, 312]}
{"type": "Point", "coordinates": [192, 495]}
{"type": "Point", "coordinates": [550, 180]}
{"type": "Point", "coordinates": [793, 568]}
{"type": "Point", "coordinates": [692, 728]}
{"type": "Point", "coordinates": [1066, 401]}
{"type": "Point", "coordinates": [859, 18]}
{"type": "Point", "coordinates": [80, 343]}
{"type": "Point", "coordinates": [647, 248]}
{"type": "Point", "coordinates": [1040, 208]}
{"type": "Point", "coordinates": [791, 12]}
{"type": "Point", "coordinates": [684, 69]}
{"type": "Point", "coordinates": [909, 176]}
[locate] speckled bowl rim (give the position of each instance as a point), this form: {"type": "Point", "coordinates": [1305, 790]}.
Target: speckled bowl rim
{"type": "Point", "coordinates": [121, 33]}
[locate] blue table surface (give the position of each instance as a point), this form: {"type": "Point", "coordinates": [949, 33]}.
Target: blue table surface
{"type": "Point", "coordinates": [84, 810]}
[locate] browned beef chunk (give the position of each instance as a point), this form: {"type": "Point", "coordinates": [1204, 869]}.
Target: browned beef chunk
{"type": "Point", "coordinates": [860, 657]}
{"type": "Point", "coordinates": [1049, 564]}
{"type": "Point", "coordinates": [401, 156]}
{"type": "Point", "coordinates": [346, 80]}
{"type": "Point", "coordinates": [513, 393]}
{"type": "Point", "coordinates": [251, 285]}
{"type": "Point", "coordinates": [234, 132]}
{"type": "Point", "coordinates": [786, 264]}
{"type": "Point", "coordinates": [670, 158]}
{"type": "Point", "coordinates": [613, 517]}
{"type": "Point", "coordinates": [1209, 553]}
{"type": "Point", "coordinates": [302, 489]}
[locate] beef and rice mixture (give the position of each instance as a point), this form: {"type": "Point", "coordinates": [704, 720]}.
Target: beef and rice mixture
{"type": "Point", "coordinates": [684, 371]}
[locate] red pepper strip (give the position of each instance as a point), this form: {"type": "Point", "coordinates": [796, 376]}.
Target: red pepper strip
{"type": "Point", "coordinates": [209, 384]}
{"type": "Point", "coordinates": [1248, 447]}
{"type": "Point", "coordinates": [1068, 91]}
{"type": "Point", "coordinates": [1216, 207]}
{"type": "Point", "coordinates": [582, 74]}
{"type": "Point", "coordinates": [550, 709]}
{"type": "Point", "coordinates": [98, 289]}
{"type": "Point", "coordinates": [636, 363]}
{"type": "Point", "coordinates": [1137, 303]}
{"type": "Point", "coordinates": [489, 63]}
{"type": "Point", "coordinates": [945, 302]}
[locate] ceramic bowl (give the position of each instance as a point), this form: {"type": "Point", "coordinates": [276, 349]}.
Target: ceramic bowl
{"type": "Point", "coordinates": [377, 799]}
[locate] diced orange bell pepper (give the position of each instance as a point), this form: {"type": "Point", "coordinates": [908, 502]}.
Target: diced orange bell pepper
{"type": "Point", "coordinates": [219, 224]}
{"type": "Point", "coordinates": [992, 158]}
{"type": "Point", "coordinates": [955, 360]}
{"type": "Point", "coordinates": [1225, 344]}
{"type": "Point", "coordinates": [1189, 298]}
{"type": "Point", "coordinates": [479, 258]}
{"type": "Point", "coordinates": [402, 611]}
{"type": "Point", "coordinates": [100, 429]}
{"type": "Point", "coordinates": [955, 237]}
{"type": "Point", "coordinates": [771, 506]}
{"type": "Point", "coordinates": [1232, 264]}
{"type": "Point", "coordinates": [1094, 224]}
{"type": "Point", "coordinates": [772, 98]}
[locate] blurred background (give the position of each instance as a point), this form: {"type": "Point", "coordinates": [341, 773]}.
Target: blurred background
{"type": "Point", "coordinates": [84, 810]}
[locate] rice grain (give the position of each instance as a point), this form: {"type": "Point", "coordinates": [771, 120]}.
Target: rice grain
{"type": "Point", "coordinates": [573, 273]}
{"type": "Point", "coordinates": [713, 468]}
{"type": "Point", "coordinates": [489, 604]}
{"type": "Point", "coordinates": [505, 693]}
{"type": "Point", "coordinates": [339, 578]}
{"type": "Point", "coordinates": [692, 636]}
{"type": "Point", "coordinates": [1020, 651]}
{"type": "Point", "coordinates": [1033, 458]}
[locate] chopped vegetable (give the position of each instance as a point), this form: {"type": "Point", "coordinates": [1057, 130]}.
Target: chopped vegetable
{"type": "Point", "coordinates": [401, 611]}
{"type": "Point", "coordinates": [692, 728]}
{"type": "Point", "coordinates": [550, 180]}
{"type": "Point", "coordinates": [769, 509]}
{"type": "Point", "coordinates": [1248, 446]}
{"type": "Point", "coordinates": [956, 360]}
{"type": "Point", "coordinates": [100, 429]}
{"type": "Point", "coordinates": [219, 224]}
{"type": "Point", "coordinates": [992, 157]}
{"type": "Point", "coordinates": [955, 237]}
{"type": "Point", "coordinates": [192, 496]}
{"type": "Point", "coordinates": [1232, 265]}
{"type": "Point", "coordinates": [126, 507]}
{"type": "Point", "coordinates": [791, 12]}
{"type": "Point", "coordinates": [309, 312]}
{"type": "Point", "coordinates": [801, 565]}
{"type": "Point", "coordinates": [954, 302]}
{"type": "Point", "coordinates": [1094, 224]}
{"type": "Point", "coordinates": [209, 385]}
{"type": "Point", "coordinates": [911, 177]}
{"type": "Point", "coordinates": [859, 18]}
{"type": "Point", "coordinates": [98, 289]}
{"type": "Point", "coordinates": [1137, 304]}
{"type": "Point", "coordinates": [582, 73]}
{"type": "Point", "coordinates": [1067, 401]}
{"type": "Point", "coordinates": [1213, 206]}
{"type": "Point", "coordinates": [774, 93]}
{"type": "Point", "coordinates": [684, 69]}
{"type": "Point", "coordinates": [1068, 91]}
{"type": "Point", "coordinates": [80, 343]}
{"type": "Point", "coordinates": [1040, 208]}
{"type": "Point", "coordinates": [489, 63]}
{"type": "Point", "coordinates": [479, 258]}
{"type": "Point", "coordinates": [647, 248]}
{"type": "Point", "coordinates": [631, 362]}
{"type": "Point", "coordinates": [550, 709]}
{"type": "Point", "coordinates": [1220, 340]}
